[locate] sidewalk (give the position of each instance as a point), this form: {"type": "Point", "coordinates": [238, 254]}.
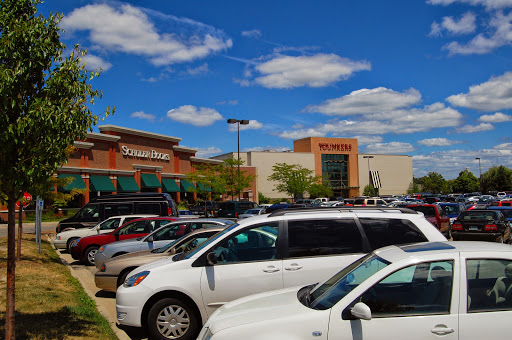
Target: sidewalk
{"type": "Point", "coordinates": [105, 301]}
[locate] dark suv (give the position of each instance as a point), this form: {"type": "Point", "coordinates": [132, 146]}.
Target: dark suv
{"type": "Point", "coordinates": [103, 207]}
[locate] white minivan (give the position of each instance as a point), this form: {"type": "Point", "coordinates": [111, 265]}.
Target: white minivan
{"type": "Point", "coordinates": [174, 297]}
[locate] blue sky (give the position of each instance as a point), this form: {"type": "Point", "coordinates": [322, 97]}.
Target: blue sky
{"type": "Point", "coordinates": [427, 78]}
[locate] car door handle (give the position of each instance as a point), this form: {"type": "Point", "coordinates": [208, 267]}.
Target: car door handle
{"type": "Point", "coordinates": [442, 330]}
{"type": "Point", "coordinates": [293, 266]}
{"type": "Point", "coordinates": [271, 269]}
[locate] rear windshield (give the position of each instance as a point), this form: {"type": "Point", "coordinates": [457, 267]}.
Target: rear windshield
{"type": "Point", "coordinates": [427, 211]}
{"type": "Point", "coordinates": [478, 215]}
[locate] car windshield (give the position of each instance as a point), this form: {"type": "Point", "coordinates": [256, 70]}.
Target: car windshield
{"type": "Point", "coordinates": [166, 247]}
{"type": "Point", "coordinates": [451, 209]}
{"type": "Point", "coordinates": [426, 210]}
{"type": "Point", "coordinates": [337, 287]}
{"type": "Point", "coordinates": [252, 211]}
{"type": "Point", "coordinates": [214, 237]}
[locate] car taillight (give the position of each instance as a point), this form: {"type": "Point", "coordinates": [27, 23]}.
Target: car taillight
{"type": "Point", "coordinates": [236, 214]}
{"type": "Point", "coordinates": [456, 226]}
{"type": "Point", "coordinates": [491, 227]}
{"type": "Point", "coordinates": [169, 212]}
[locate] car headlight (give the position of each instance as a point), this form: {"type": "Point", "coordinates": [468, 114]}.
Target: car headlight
{"type": "Point", "coordinates": [58, 237]}
{"type": "Point", "coordinates": [134, 280]}
{"type": "Point", "coordinates": [75, 243]}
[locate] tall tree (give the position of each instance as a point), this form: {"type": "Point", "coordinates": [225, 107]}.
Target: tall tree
{"type": "Point", "coordinates": [466, 182]}
{"type": "Point", "coordinates": [497, 178]}
{"type": "Point", "coordinates": [294, 179]}
{"type": "Point", "coordinates": [44, 98]}
{"type": "Point", "coordinates": [434, 182]}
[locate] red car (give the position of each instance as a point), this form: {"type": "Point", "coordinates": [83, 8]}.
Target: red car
{"type": "Point", "coordinates": [435, 215]}
{"type": "Point", "coordinates": [85, 248]}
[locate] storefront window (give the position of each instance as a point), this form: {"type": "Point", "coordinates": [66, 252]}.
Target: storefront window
{"type": "Point", "coordinates": [335, 169]}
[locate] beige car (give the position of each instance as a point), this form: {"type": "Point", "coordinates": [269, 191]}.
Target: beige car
{"type": "Point", "coordinates": [113, 273]}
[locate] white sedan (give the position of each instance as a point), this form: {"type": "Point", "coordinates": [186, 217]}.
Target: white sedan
{"type": "Point", "coordinates": [438, 290]}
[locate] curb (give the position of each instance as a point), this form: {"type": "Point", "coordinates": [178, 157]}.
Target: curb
{"type": "Point", "coordinates": [103, 300]}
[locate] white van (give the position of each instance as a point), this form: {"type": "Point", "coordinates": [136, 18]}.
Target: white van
{"type": "Point", "coordinates": [174, 297]}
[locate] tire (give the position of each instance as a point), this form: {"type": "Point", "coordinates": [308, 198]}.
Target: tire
{"type": "Point", "coordinates": [173, 318]}
{"type": "Point", "coordinates": [88, 255]}
{"type": "Point", "coordinates": [68, 244]}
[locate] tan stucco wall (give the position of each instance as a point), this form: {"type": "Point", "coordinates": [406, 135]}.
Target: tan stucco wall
{"type": "Point", "coordinates": [395, 172]}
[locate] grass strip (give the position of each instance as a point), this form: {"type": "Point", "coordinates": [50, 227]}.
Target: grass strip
{"type": "Point", "coordinates": [50, 302]}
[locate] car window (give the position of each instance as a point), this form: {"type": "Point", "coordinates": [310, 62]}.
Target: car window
{"type": "Point", "coordinates": [425, 288]}
{"type": "Point", "coordinates": [170, 232]}
{"type": "Point", "coordinates": [489, 285]}
{"type": "Point", "coordinates": [118, 209]}
{"type": "Point", "coordinates": [135, 227]}
{"type": "Point", "coordinates": [387, 231]}
{"type": "Point", "coordinates": [255, 244]}
{"type": "Point", "coordinates": [323, 237]}
{"type": "Point", "coordinates": [112, 223]}
{"type": "Point", "coordinates": [89, 211]}
{"type": "Point", "coordinates": [148, 208]}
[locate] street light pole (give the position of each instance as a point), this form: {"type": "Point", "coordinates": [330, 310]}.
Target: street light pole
{"type": "Point", "coordinates": [369, 172]}
{"type": "Point", "coordinates": [480, 172]}
{"type": "Point", "coordinates": [238, 122]}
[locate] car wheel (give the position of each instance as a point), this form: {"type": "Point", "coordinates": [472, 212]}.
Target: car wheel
{"type": "Point", "coordinates": [172, 318]}
{"type": "Point", "coordinates": [68, 244]}
{"type": "Point", "coordinates": [88, 256]}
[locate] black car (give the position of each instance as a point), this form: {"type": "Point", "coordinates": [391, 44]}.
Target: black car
{"type": "Point", "coordinates": [481, 225]}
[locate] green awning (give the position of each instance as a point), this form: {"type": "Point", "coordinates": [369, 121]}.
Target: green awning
{"type": "Point", "coordinates": [76, 183]}
{"type": "Point", "coordinates": [186, 186]}
{"type": "Point", "coordinates": [101, 183]}
{"type": "Point", "coordinates": [149, 181]}
{"type": "Point", "coordinates": [170, 185]}
{"type": "Point", "coordinates": [127, 184]}
{"type": "Point", "coordinates": [203, 187]}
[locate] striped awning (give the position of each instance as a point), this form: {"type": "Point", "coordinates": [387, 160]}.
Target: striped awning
{"type": "Point", "coordinates": [375, 179]}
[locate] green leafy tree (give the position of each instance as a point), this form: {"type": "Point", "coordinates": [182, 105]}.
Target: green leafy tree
{"type": "Point", "coordinates": [262, 199]}
{"type": "Point", "coordinates": [319, 190]}
{"type": "Point", "coordinates": [466, 182]}
{"type": "Point", "coordinates": [295, 180]}
{"type": "Point", "coordinates": [44, 98]}
{"type": "Point", "coordinates": [497, 178]}
{"type": "Point", "coordinates": [413, 187]}
{"type": "Point", "coordinates": [369, 190]}
{"type": "Point", "coordinates": [434, 182]}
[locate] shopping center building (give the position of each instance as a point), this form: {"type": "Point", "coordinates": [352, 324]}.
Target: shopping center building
{"type": "Point", "coordinates": [119, 160]}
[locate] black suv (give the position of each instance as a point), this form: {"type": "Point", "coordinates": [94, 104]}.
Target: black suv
{"type": "Point", "coordinates": [103, 207]}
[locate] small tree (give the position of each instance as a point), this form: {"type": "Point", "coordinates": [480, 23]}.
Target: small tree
{"type": "Point", "coordinates": [262, 199]}
{"type": "Point", "coordinates": [44, 100]}
{"type": "Point", "coordinates": [295, 180]}
{"type": "Point", "coordinates": [369, 190]}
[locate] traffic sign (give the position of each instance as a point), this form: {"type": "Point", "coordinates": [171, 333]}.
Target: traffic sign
{"type": "Point", "coordinates": [27, 198]}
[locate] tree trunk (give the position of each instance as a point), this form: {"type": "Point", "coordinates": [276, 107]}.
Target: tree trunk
{"type": "Point", "coordinates": [20, 231]}
{"type": "Point", "coordinates": [11, 267]}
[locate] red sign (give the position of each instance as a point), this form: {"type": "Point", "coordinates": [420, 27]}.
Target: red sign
{"type": "Point", "coordinates": [27, 198]}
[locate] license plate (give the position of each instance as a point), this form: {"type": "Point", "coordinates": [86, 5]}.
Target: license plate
{"type": "Point", "coordinates": [473, 228]}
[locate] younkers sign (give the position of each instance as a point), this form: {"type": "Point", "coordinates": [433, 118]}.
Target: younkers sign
{"type": "Point", "coordinates": [151, 154]}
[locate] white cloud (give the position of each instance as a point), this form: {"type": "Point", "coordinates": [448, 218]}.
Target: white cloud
{"type": "Point", "coordinates": [285, 72]}
{"type": "Point", "coordinates": [267, 148]}
{"type": "Point", "coordinates": [504, 146]}
{"type": "Point", "coordinates": [203, 69]}
{"type": "Point", "coordinates": [493, 95]}
{"type": "Point", "coordinates": [366, 101]}
{"type": "Point", "coordinates": [253, 125]}
{"type": "Point", "coordinates": [438, 142]}
{"type": "Point", "coordinates": [143, 115]}
{"type": "Point", "coordinates": [189, 114]}
{"type": "Point", "coordinates": [475, 128]}
{"type": "Point", "coordinates": [500, 34]}
{"type": "Point", "coordinates": [466, 24]}
{"type": "Point", "coordinates": [252, 34]}
{"type": "Point", "coordinates": [130, 30]}
{"type": "Point", "coordinates": [208, 152]}
{"type": "Point", "coordinates": [489, 4]}
{"type": "Point", "coordinates": [228, 102]}
{"type": "Point", "coordinates": [389, 148]}
{"type": "Point", "coordinates": [498, 117]}
{"type": "Point", "coordinates": [364, 140]}
{"type": "Point", "coordinates": [94, 63]}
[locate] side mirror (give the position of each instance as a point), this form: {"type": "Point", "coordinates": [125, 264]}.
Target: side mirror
{"type": "Point", "coordinates": [361, 311]}
{"type": "Point", "coordinates": [150, 239]}
{"type": "Point", "coordinates": [211, 259]}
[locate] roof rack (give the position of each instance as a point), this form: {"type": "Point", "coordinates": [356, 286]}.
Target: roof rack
{"type": "Point", "coordinates": [282, 212]}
